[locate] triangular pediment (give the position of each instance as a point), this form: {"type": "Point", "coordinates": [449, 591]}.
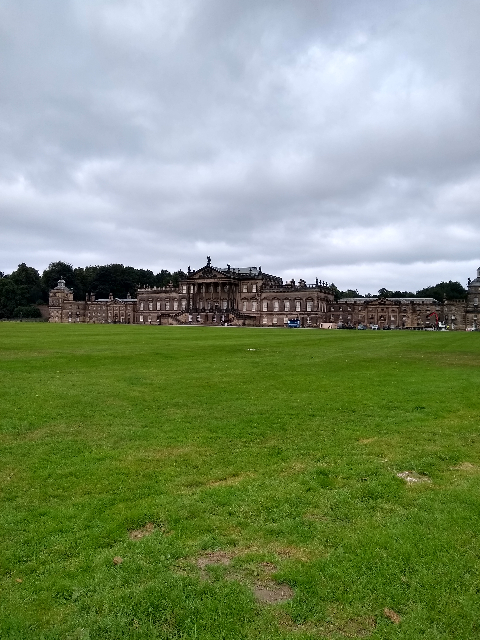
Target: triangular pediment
{"type": "Point", "coordinates": [207, 272]}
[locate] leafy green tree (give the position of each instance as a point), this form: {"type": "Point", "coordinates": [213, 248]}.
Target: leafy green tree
{"type": "Point", "coordinates": [350, 293]}
{"type": "Point", "coordinates": [444, 290]}
{"type": "Point", "coordinates": [163, 278]}
{"type": "Point", "coordinates": [337, 294]}
{"type": "Point", "coordinates": [10, 297]}
{"type": "Point", "coordinates": [28, 281]}
{"type": "Point", "coordinates": [60, 270]}
{"type": "Point", "coordinates": [112, 278]}
{"type": "Point", "coordinates": [30, 311]}
{"type": "Point", "coordinates": [22, 288]}
{"type": "Point", "coordinates": [177, 276]}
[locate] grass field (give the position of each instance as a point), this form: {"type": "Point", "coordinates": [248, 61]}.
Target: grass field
{"type": "Point", "coordinates": [177, 482]}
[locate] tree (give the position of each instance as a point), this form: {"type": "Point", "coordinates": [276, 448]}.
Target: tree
{"type": "Point", "coordinates": [55, 272]}
{"type": "Point", "coordinates": [444, 290]}
{"type": "Point", "coordinates": [27, 280]}
{"type": "Point", "coordinates": [336, 292]}
{"type": "Point", "coordinates": [22, 288]}
{"type": "Point", "coordinates": [350, 293]}
{"type": "Point", "coordinates": [163, 278]}
{"type": "Point", "coordinates": [30, 311]}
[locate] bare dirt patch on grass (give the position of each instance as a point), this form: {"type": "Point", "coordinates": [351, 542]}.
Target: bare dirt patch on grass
{"type": "Point", "coordinates": [392, 615]}
{"type": "Point", "coordinates": [138, 534]}
{"type": "Point", "coordinates": [412, 477]}
{"type": "Point", "coordinates": [467, 466]}
{"type": "Point", "coordinates": [212, 559]}
{"type": "Point", "coordinates": [273, 593]}
{"type": "Point", "coordinates": [361, 627]}
{"type": "Point", "coordinates": [257, 576]}
{"type": "Point", "coordinates": [228, 482]}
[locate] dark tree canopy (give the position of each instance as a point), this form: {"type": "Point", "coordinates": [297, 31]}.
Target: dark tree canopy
{"type": "Point", "coordinates": [444, 290]}
{"type": "Point", "coordinates": [386, 293]}
{"type": "Point", "coordinates": [57, 270]}
{"type": "Point", "coordinates": [22, 288]}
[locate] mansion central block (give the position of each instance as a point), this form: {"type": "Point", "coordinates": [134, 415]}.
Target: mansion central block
{"type": "Point", "coordinates": [250, 297]}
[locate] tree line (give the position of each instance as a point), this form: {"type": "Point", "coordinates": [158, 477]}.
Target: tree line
{"type": "Point", "coordinates": [23, 290]}
{"type": "Point", "coordinates": [442, 291]}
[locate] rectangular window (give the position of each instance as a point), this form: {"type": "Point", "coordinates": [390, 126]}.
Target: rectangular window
{"type": "Point", "coordinates": [275, 305]}
{"type": "Point", "coordinates": [141, 306]}
{"type": "Point", "coordinates": [167, 305]}
{"type": "Point", "coordinates": [254, 288]}
{"type": "Point", "coordinates": [141, 318]}
{"type": "Point", "coordinates": [224, 304]}
{"type": "Point", "coordinates": [175, 305]}
{"type": "Point", "coordinates": [309, 305]}
{"type": "Point", "coordinates": [184, 304]}
{"type": "Point", "coordinates": [254, 305]}
{"type": "Point", "coordinates": [244, 288]}
{"type": "Point", "coordinates": [264, 320]}
{"type": "Point", "coordinates": [297, 305]}
{"type": "Point", "coordinates": [275, 320]}
{"type": "Point", "coordinates": [184, 288]}
{"type": "Point", "coordinates": [244, 305]}
{"type": "Point", "coordinates": [150, 306]}
{"type": "Point", "coordinates": [158, 305]}
{"type": "Point", "coordinates": [264, 305]}
{"type": "Point", "coordinates": [286, 305]}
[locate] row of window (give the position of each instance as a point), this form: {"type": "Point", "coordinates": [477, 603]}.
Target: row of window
{"type": "Point", "coordinates": [287, 305]}
{"type": "Point", "coordinates": [275, 320]}
{"type": "Point", "coordinates": [252, 305]}
{"type": "Point", "coordinates": [216, 287]}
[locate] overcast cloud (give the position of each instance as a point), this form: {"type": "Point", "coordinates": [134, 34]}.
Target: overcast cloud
{"type": "Point", "coordinates": [316, 138]}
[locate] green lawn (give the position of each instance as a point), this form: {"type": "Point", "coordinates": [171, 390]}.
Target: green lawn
{"type": "Point", "coordinates": [244, 480]}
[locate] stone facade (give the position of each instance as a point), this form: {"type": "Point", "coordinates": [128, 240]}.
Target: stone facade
{"type": "Point", "coordinates": [247, 297]}
{"type": "Point", "coordinates": [63, 308]}
{"type": "Point", "coordinates": [250, 297]}
{"type": "Point", "coordinates": [396, 313]}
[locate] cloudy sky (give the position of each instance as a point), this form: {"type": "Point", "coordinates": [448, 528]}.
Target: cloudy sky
{"type": "Point", "coordinates": [324, 138]}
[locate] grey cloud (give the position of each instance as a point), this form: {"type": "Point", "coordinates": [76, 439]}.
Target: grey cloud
{"type": "Point", "coordinates": [293, 135]}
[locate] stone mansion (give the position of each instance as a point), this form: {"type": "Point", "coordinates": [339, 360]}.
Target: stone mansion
{"type": "Point", "coordinates": [250, 297]}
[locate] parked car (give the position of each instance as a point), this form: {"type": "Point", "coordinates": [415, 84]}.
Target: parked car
{"type": "Point", "coordinates": [374, 326]}
{"type": "Point", "coordinates": [361, 327]}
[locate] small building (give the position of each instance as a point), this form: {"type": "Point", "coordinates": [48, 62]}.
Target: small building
{"type": "Point", "coordinates": [63, 308]}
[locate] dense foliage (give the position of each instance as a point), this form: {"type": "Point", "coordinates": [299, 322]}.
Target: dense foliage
{"type": "Point", "coordinates": [442, 291]}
